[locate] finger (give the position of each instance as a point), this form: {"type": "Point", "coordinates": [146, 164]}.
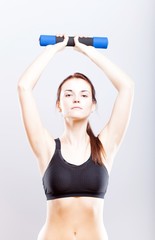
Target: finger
{"type": "Point", "coordinates": [64, 40]}
{"type": "Point", "coordinates": [65, 37]}
{"type": "Point", "coordinates": [76, 40]}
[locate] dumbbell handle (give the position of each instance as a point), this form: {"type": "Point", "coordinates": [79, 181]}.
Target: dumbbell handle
{"type": "Point", "coordinates": [97, 42]}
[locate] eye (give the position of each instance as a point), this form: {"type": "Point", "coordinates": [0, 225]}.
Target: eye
{"type": "Point", "coordinates": [68, 95]}
{"type": "Point", "coordinates": [84, 95]}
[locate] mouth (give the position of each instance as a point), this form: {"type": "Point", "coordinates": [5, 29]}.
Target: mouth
{"type": "Point", "coordinates": [76, 107]}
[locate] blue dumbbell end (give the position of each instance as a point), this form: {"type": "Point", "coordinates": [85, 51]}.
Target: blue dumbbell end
{"type": "Point", "coordinates": [47, 40]}
{"type": "Point", "coordinates": [100, 42]}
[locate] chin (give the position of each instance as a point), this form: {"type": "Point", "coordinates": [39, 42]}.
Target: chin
{"type": "Point", "coordinates": [76, 117]}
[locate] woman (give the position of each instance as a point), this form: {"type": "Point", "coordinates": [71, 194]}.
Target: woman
{"type": "Point", "coordinates": [75, 168]}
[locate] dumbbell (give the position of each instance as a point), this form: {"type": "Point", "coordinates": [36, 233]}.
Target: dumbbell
{"type": "Point", "coordinates": [97, 42]}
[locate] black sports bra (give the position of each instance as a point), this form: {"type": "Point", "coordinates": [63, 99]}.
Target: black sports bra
{"type": "Point", "coordinates": [63, 179]}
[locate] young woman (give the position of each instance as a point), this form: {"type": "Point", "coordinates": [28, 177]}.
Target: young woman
{"type": "Point", "coordinates": [75, 167]}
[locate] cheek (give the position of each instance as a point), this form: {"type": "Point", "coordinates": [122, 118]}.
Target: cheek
{"type": "Point", "coordinates": [64, 102]}
{"type": "Point", "coordinates": [64, 105]}
{"type": "Point", "coordinates": [89, 104]}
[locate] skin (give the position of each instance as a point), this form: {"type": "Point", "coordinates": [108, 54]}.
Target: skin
{"type": "Point", "coordinates": [75, 218]}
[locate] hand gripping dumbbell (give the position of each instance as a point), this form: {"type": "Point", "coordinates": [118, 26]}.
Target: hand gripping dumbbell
{"type": "Point", "coordinates": [97, 42]}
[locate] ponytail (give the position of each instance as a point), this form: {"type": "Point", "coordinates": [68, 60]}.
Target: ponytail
{"type": "Point", "coordinates": [97, 149]}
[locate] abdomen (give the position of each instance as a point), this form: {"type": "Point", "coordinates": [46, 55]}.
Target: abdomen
{"type": "Point", "coordinates": [74, 218]}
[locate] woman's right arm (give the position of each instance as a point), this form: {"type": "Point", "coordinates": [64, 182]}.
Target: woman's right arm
{"type": "Point", "coordinates": [40, 140]}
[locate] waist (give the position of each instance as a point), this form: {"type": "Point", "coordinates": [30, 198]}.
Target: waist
{"type": "Point", "coordinates": [80, 217]}
{"type": "Point", "coordinates": [71, 234]}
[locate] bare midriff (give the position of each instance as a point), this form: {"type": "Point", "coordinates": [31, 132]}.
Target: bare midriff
{"type": "Point", "coordinates": [74, 218]}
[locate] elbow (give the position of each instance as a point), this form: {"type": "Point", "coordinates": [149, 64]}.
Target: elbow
{"type": "Point", "coordinates": [131, 83]}
{"type": "Point", "coordinates": [20, 88]}
{"type": "Point", "coordinates": [23, 86]}
{"type": "Point", "coordinates": [129, 86]}
{"type": "Point", "coordinates": [132, 86]}
{"type": "Point", "coordinates": [130, 89]}
{"type": "Point", "coordinates": [20, 84]}
{"type": "Point", "coordinates": [127, 89]}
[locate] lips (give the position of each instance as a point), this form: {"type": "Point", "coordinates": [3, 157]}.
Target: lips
{"type": "Point", "coordinates": [76, 107]}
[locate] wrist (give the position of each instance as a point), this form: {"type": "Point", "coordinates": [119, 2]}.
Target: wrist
{"type": "Point", "coordinates": [89, 51]}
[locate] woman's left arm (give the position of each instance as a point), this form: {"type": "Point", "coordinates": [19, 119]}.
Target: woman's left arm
{"type": "Point", "coordinates": [112, 134]}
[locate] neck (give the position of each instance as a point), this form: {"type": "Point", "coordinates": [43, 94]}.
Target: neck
{"type": "Point", "coordinates": [75, 132]}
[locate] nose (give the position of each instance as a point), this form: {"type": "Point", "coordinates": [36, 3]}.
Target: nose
{"type": "Point", "coordinates": [76, 99]}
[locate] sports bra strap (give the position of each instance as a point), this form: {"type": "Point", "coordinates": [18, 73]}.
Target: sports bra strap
{"type": "Point", "coordinates": [58, 145]}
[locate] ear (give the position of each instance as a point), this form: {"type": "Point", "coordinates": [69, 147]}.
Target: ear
{"type": "Point", "coordinates": [93, 106]}
{"type": "Point", "coordinates": [58, 106]}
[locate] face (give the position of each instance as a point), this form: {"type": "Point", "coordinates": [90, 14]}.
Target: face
{"type": "Point", "coordinates": [76, 99]}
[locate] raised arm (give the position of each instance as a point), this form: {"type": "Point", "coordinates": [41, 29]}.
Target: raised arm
{"type": "Point", "coordinates": [112, 134]}
{"type": "Point", "coordinates": [41, 142]}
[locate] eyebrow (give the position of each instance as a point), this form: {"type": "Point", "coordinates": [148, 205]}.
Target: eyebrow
{"type": "Point", "coordinates": [69, 90]}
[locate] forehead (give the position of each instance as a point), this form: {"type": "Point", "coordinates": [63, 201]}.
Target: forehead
{"type": "Point", "coordinates": [76, 84]}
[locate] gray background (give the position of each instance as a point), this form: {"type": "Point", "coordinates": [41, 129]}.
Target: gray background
{"type": "Point", "coordinates": [129, 25]}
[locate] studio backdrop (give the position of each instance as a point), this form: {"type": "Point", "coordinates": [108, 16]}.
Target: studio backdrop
{"type": "Point", "coordinates": [129, 26]}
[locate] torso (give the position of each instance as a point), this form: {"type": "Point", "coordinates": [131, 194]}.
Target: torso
{"type": "Point", "coordinates": [74, 218]}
